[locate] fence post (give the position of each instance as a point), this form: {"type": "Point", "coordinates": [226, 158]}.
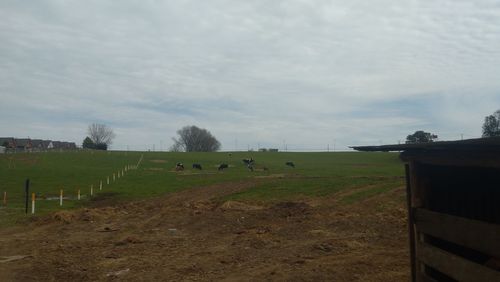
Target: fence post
{"type": "Point", "coordinates": [32, 203]}
{"type": "Point", "coordinates": [61, 197]}
{"type": "Point", "coordinates": [5, 198]}
{"type": "Point", "coordinates": [27, 192]}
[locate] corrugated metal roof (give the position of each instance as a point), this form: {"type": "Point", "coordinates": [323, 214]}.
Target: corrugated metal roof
{"type": "Point", "coordinates": [479, 144]}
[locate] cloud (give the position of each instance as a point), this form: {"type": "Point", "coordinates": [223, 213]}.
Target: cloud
{"type": "Point", "coordinates": [306, 72]}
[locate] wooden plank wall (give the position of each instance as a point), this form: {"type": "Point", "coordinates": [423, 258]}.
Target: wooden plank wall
{"type": "Point", "coordinates": [428, 255]}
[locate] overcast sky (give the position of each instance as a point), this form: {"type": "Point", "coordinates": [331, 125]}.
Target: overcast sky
{"type": "Point", "coordinates": [254, 73]}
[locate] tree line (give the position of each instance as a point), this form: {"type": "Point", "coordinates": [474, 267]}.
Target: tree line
{"type": "Point", "coordinates": [491, 128]}
{"type": "Point", "coordinates": [194, 139]}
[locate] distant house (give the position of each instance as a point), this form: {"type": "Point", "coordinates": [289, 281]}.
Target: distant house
{"type": "Point", "coordinates": [72, 146]}
{"type": "Point", "coordinates": [2, 149]}
{"type": "Point", "coordinates": [57, 145]}
{"type": "Point", "coordinates": [47, 144]}
{"type": "Point", "coordinates": [8, 142]}
{"type": "Point", "coordinates": [23, 144]}
{"type": "Point", "coordinates": [33, 145]}
{"type": "Point", "coordinates": [37, 144]}
{"type": "Point", "coordinates": [64, 145]}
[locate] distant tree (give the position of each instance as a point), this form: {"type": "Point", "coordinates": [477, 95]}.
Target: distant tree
{"type": "Point", "coordinates": [194, 139]}
{"type": "Point", "coordinates": [491, 125]}
{"type": "Point", "coordinates": [101, 135]}
{"type": "Point", "coordinates": [88, 143]}
{"type": "Point", "coordinates": [176, 147]}
{"type": "Point", "coordinates": [421, 137]}
{"type": "Point", "coordinates": [101, 146]}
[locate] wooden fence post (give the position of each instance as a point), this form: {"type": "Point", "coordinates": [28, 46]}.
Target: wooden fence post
{"type": "Point", "coordinates": [32, 203]}
{"type": "Point", "coordinates": [27, 191]}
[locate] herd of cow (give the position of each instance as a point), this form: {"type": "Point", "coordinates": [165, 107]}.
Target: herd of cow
{"type": "Point", "coordinates": [248, 162]}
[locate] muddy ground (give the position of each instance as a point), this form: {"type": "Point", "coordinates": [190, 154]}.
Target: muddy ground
{"type": "Point", "coordinates": [194, 236]}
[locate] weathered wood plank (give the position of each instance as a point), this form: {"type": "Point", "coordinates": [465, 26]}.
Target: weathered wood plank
{"type": "Point", "coordinates": [411, 226]}
{"type": "Point", "coordinates": [422, 277]}
{"type": "Point", "coordinates": [473, 234]}
{"type": "Point", "coordinates": [454, 266]}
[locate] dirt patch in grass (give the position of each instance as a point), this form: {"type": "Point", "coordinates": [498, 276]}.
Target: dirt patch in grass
{"type": "Point", "coordinates": [191, 236]}
{"type": "Point", "coordinates": [154, 168]}
{"type": "Point", "coordinates": [159, 161]}
{"type": "Point", "coordinates": [238, 206]}
{"type": "Point", "coordinates": [104, 199]}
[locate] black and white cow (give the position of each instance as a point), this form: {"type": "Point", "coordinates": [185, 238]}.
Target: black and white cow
{"type": "Point", "coordinates": [179, 167]}
{"type": "Point", "coordinates": [222, 167]}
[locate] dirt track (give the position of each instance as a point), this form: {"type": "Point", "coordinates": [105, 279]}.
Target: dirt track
{"type": "Point", "coordinates": [191, 236]}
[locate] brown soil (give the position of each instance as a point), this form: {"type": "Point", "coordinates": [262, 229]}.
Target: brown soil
{"type": "Point", "coordinates": [193, 236]}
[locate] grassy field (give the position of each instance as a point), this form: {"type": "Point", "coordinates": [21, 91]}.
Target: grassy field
{"type": "Point", "coordinates": [315, 175]}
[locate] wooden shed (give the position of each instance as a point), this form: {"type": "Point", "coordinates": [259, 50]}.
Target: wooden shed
{"type": "Point", "coordinates": [453, 195]}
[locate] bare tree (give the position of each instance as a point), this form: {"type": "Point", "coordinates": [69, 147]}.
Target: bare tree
{"type": "Point", "coordinates": [101, 134]}
{"type": "Point", "coordinates": [194, 139]}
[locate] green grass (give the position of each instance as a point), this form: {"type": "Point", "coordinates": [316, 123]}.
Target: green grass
{"type": "Point", "coordinates": [315, 175]}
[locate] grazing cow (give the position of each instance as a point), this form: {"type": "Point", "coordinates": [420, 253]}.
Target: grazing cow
{"type": "Point", "coordinates": [250, 166]}
{"type": "Point", "coordinates": [197, 166]}
{"type": "Point", "coordinates": [179, 167]}
{"type": "Point", "coordinates": [222, 167]}
{"type": "Point", "coordinates": [248, 161]}
{"type": "Point", "coordinates": [290, 164]}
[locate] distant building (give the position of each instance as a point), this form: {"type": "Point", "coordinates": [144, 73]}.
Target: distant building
{"type": "Point", "coordinates": [47, 144]}
{"type": "Point", "coordinates": [57, 145]}
{"type": "Point", "coordinates": [11, 144]}
{"type": "Point", "coordinates": [64, 145]}
{"type": "Point", "coordinates": [8, 142]}
{"type": "Point", "coordinates": [72, 146]}
{"type": "Point", "coordinates": [2, 150]}
{"type": "Point", "coordinates": [23, 144]}
{"type": "Point", "coordinates": [37, 145]}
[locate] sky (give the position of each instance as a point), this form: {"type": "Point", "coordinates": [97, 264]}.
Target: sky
{"type": "Point", "coordinates": [303, 75]}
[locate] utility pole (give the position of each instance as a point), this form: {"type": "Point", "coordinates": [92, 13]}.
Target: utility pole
{"type": "Point", "coordinates": [328, 147]}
